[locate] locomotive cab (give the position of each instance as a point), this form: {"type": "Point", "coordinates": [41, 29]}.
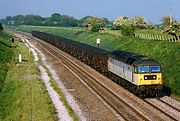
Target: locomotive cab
{"type": "Point", "coordinates": [142, 74]}
{"type": "Point", "coordinates": [148, 77]}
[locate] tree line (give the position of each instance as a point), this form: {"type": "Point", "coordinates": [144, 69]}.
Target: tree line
{"type": "Point", "coordinates": [94, 24]}
{"type": "Point", "coordinates": [55, 19]}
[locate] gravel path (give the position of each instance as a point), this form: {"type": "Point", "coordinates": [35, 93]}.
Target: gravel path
{"type": "Point", "coordinates": [60, 109]}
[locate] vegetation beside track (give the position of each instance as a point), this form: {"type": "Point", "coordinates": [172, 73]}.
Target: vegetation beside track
{"type": "Point", "coordinates": [5, 55]}
{"type": "Point", "coordinates": [167, 53]}
{"type": "Point", "coordinates": [23, 96]}
{"type": "Point", "coordinates": [61, 95]}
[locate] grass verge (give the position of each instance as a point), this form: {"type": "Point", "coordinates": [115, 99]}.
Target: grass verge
{"type": "Point", "coordinates": [24, 96]}
{"type": "Point", "coordinates": [61, 95]}
{"type": "Point", "coordinates": [5, 55]}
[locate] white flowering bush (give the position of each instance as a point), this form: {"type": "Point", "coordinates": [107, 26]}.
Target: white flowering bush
{"type": "Point", "coordinates": [125, 24]}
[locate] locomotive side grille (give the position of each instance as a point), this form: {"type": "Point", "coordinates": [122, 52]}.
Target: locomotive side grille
{"type": "Point", "coordinates": [150, 77]}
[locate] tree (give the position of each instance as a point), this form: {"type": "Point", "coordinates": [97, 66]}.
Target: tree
{"type": "Point", "coordinates": [170, 25]}
{"type": "Point", "coordinates": [125, 25]}
{"type": "Point", "coordinates": [1, 27]}
{"type": "Point", "coordinates": [176, 25]}
{"type": "Point", "coordinates": [18, 19]}
{"type": "Point", "coordinates": [8, 19]}
{"type": "Point", "coordinates": [167, 21]}
{"type": "Point", "coordinates": [33, 20]}
{"type": "Point", "coordinates": [140, 22]}
{"type": "Point", "coordinates": [68, 21]}
{"type": "Point", "coordinates": [94, 24]}
{"type": "Point", "coordinates": [55, 17]}
{"type": "Point", "coordinates": [122, 20]}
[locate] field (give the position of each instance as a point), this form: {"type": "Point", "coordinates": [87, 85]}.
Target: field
{"type": "Point", "coordinates": [167, 53]}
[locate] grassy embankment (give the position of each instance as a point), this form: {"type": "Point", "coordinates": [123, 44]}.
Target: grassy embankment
{"type": "Point", "coordinates": [167, 53]}
{"type": "Point", "coordinates": [5, 56]}
{"type": "Point", "coordinates": [23, 96]}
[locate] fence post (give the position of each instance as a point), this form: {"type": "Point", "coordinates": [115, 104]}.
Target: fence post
{"type": "Point", "coordinates": [153, 37]}
{"type": "Point", "coordinates": [160, 37]}
{"type": "Point", "coordinates": [157, 37]}
{"type": "Point", "coordinates": [169, 37]}
{"type": "Point", "coordinates": [172, 38]}
{"type": "Point", "coordinates": [20, 58]}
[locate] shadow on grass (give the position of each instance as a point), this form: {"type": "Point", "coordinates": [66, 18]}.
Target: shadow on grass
{"type": "Point", "coordinates": [5, 44]}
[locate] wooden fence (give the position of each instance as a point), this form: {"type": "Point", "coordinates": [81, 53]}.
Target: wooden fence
{"type": "Point", "coordinates": [158, 37]}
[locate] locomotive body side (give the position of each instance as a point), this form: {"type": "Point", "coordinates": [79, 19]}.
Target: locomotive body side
{"type": "Point", "coordinates": [121, 69]}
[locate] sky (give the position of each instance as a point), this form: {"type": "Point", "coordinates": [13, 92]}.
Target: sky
{"type": "Point", "coordinates": [152, 10]}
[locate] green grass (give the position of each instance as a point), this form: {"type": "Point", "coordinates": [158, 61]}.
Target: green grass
{"type": "Point", "coordinates": [5, 55]}
{"type": "Point", "coordinates": [167, 53]}
{"type": "Point", "coordinates": [147, 31]}
{"type": "Point", "coordinates": [24, 96]}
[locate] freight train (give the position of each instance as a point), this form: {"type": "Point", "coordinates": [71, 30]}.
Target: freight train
{"type": "Point", "coordinates": [137, 73]}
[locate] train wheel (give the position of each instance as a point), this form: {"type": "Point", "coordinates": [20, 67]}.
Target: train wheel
{"type": "Point", "coordinates": [158, 94]}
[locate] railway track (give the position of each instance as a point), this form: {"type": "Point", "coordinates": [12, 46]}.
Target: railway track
{"type": "Point", "coordinates": [165, 108]}
{"type": "Point", "coordinates": [112, 99]}
{"type": "Point", "coordinates": [168, 104]}
{"type": "Point", "coordinates": [118, 104]}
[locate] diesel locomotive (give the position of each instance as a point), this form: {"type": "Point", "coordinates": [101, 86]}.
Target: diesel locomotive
{"type": "Point", "coordinates": [137, 73]}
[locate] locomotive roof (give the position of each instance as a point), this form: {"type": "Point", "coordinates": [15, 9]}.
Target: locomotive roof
{"type": "Point", "coordinates": [132, 58]}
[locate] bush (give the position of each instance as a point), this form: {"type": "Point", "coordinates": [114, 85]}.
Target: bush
{"type": "Point", "coordinates": [1, 27]}
{"type": "Point", "coordinates": [95, 27]}
{"type": "Point", "coordinates": [127, 30]}
{"type": "Point", "coordinates": [94, 24]}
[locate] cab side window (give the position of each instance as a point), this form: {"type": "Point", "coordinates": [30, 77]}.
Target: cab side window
{"type": "Point", "coordinates": [135, 69]}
